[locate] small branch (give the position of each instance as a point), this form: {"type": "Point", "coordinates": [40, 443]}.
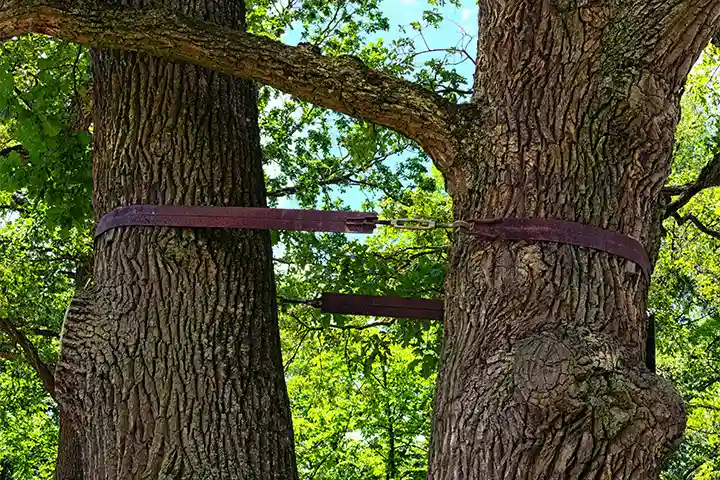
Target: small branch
{"type": "Point", "coordinates": [45, 333]}
{"type": "Point", "coordinates": [440, 91]}
{"type": "Point", "coordinates": [709, 177]}
{"type": "Point", "coordinates": [424, 250]}
{"type": "Point", "coordinates": [450, 50]}
{"type": "Point", "coordinates": [292, 189]}
{"type": "Point", "coordinates": [31, 353]}
{"type": "Point", "coordinates": [347, 178]}
{"type": "Point", "coordinates": [297, 349]}
{"type": "Point", "coordinates": [363, 327]}
{"type": "Point", "coordinates": [698, 224]}
{"type": "Point", "coordinates": [8, 150]}
{"type": "Point", "coordinates": [705, 406]}
{"type": "Point", "coordinates": [25, 102]}
{"type": "Point", "coordinates": [385, 323]}
{"type": "Point", "coordinates": [673, 190]}
{"type": "Point", "coordinates": [469, 57]}
{"type": "Point", "coordinates": [12, 207]}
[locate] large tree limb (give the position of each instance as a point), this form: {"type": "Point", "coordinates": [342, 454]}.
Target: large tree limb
{"type": "Point", "coordinates": [343, 84]}
{"type": "Point", "coordinates": [31, 354]}
{"type": "Point", "coordinates": [676, 32]}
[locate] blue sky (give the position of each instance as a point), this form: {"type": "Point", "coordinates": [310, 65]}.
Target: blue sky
{"type": "Point", "coordinates": [456, 20]}
{"type": "Point", "coordinates": [457, 23]}
{"type": "Point", "coordinates": [403, 12]}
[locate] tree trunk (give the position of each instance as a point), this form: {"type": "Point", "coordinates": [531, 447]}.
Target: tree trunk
{"type": "Point", "coordinates": [69, 463]}
{"type": "Point", "coordinates": [69, 458]}
{"type": "Point", "coordinates": [172, 361]}
{"type": "Point", "coordinates": [542, 369]}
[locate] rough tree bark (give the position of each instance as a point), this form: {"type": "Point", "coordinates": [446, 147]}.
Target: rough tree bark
{"type": "Point", "coordinates": [69, 465]}
{"type": "Point", "coordinates": [542, 371]}
{"type": "Point", "coordinates": [574, 109]}
{"type": "Point", "coordinates": [69, 462]}
{"type": "Point", "coordinates": [171, 362]}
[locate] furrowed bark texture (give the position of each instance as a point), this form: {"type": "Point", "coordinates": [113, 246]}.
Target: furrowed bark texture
{"type": "Point", "coordinates": [69, 458]}
{"type": "Point", "coordinates": [542, 373]}
{"type": "Point", "coordinates": [172, 360]}
{"type": "Point", "coordinates": [69, 464]}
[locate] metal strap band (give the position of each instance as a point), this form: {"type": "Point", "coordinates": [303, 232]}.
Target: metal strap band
{"type": "Point", "coordinates": [395, 307]}
{"type": "Point", "coordinates": [237, 217]}
{"type": "Point", "coordinates": [561, 231]}
{"type": "Point", "coordinates": [419, 309]}
{"type": "Point", "coordinates": [527, 229]}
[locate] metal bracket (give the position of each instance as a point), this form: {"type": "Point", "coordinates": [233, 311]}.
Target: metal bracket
{"type": "Point", "coordinates": [413, 224]}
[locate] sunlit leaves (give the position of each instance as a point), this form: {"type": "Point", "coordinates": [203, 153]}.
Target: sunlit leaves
{"type": "Point", "coordinates": [43, 88]}
{"type": "Point", "coordinates": [685, 291]}
{"type": "Point", "coordinates": [28, 425]}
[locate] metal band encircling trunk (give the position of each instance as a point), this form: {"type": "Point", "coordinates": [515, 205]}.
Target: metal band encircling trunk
{"type": "Point", "coordinates": [508, 229]}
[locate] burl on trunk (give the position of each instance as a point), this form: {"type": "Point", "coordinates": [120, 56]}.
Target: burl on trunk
{"type": "Point", "coordinates": [542, 374]}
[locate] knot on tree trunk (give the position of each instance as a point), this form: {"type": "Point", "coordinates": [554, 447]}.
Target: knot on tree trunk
{"type": "Point", "coordinates": [564, 404]}
{"type": "Point", "coordinates": [579, 377]}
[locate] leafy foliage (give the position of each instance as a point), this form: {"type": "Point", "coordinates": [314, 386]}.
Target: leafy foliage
{"type": "Point", "coordinates": [28, 423]}
{"type": "Point", "coordinates": [685, 294]}
{"type": "Point", "coordinates": [44, 125]}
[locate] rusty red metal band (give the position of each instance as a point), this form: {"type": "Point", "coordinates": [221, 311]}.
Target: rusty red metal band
{"type": "Point", "coordinates": [421, 309]}
{"type": "Point", "coordinates": [237, 217]}
{"type": "Point", "coordinates": [561, 231]}
{"type": "Point", "coordinates": [526, 229]}
{"type": "Point", "coordinates": [395, 307]}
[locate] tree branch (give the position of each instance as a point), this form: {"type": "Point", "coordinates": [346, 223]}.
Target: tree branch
{"type": "Point", "coordinates": [698, 224]}
{"type": "Point", "coordinates": [709, 177]}
{"type": "Point", "coordinates": [292, 189]}
{"type": "Point", "coordinates": [343, 83]}
{"type": "Point", "coordinates": [31, 354]}
{"type": "Point", "coordinates": [684, 29]}
{"type": "Point", "coordinates": [383, 323]}
{"type": "Point", "coordinates": [15, 148]}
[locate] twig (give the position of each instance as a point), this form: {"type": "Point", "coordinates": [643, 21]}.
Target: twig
{"type": "Point", "coordinates": [31, 353]}
{"type": "Point", "coordinates": [8, 150]}
{"type": "Point", "coordinates": [698, 224]}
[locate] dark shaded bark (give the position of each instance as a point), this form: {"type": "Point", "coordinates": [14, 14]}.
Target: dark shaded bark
{"type": "Point", "coordinates": [69, 458]}
{"type": "Point", "coordinates": [171, 362]}
{"type": "Point", "coordinates": [650, 344]}
{"type": "Point", "coordinates": [69, 463]}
